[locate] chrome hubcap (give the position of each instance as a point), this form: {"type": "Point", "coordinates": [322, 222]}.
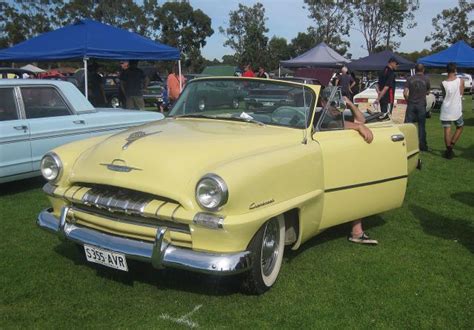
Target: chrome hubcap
{"type": "Point", "coordinates": [270, 245]}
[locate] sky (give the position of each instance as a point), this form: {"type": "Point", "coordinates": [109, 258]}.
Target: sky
{"type": "Point", "coordinates": [288, 17]}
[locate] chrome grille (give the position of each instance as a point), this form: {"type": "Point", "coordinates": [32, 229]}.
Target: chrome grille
{"type": "Point", "coordinates": [117, 200]}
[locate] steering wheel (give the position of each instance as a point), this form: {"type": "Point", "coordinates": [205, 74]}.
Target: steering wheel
{"type": "Point", "coordinates": [288, 116]}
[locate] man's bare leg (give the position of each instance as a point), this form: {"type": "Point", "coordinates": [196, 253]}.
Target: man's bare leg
{"type": "Point", "coordinates": [358, 235]}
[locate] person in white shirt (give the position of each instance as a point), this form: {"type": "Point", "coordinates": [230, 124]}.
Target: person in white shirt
{"type": "Point", "coordinates": [451, 109]}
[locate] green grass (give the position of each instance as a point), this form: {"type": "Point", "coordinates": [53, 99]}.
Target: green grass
{"type": "Point", "coordinates": [419, 276]}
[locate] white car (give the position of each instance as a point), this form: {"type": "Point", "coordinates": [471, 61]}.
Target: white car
{"type": "Point", "coordinates": [366, 98]}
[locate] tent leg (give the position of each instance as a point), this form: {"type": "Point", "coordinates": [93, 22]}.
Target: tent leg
{"type": "Point", "coordinates": [179, 75]}
{"type": "Point", "coordinates": [86, 92]}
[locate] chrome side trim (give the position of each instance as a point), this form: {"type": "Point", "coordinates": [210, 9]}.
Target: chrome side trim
{"type": "Point", "coordinates": [159, 253]}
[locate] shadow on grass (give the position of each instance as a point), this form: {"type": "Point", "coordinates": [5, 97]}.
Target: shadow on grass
{"type": "Point", "coordinates": [443, 227]}
{"type": "Point", "coordinates": [337, 232]}
{"type": "Point", "coordinates": [15, 187]}
{"type": "Point", "coordinates": [165, 279]}
{"type": "Point", "coordinates": [469, 121]}
{"type": "Point", "coordinates": [464, 197]}
{"type": "Point", "coordinates": [467, 153]}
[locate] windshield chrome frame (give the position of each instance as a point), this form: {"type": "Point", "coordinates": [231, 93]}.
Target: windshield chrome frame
{"type": "Point", "coordinates": [309, 112]}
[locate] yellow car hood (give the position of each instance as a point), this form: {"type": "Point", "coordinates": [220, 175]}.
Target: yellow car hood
{"type": "Point", "coordinates": [167, 157]}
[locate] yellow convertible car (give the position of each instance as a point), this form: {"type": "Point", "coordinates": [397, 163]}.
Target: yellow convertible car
{"type": "Point", "coordinates": [223, 187]}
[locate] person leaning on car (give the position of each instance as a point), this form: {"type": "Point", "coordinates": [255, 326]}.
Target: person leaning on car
{"type": "Point", "coordinates": [132, 82]}
{"type": "Point", "coordinates": [415, 91]}
{"type": "Point", "coordinates": [357, 234]}
{"type": "Point", "coordinates": [386, 86]}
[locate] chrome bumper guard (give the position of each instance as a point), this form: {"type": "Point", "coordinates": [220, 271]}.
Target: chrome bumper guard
{"type": "Point", "coordinates": [159, 253]}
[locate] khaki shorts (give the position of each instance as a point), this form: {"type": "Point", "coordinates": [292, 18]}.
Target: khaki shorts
{"type": "Point", "coordinates": [135, 102]}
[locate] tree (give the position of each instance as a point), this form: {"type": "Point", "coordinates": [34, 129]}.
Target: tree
{"type": "Point", "coordinates": [398, 15]}
{"type": "Point", "coordinates": [278, 49]}
{"type": "Point", "coordinates": [246, 34]}
{"type": "Point", "coordinates": [125, 14]}
{"type": "Point", "coordinates": [333, 19]}
{"type": "Point", "coordinates": [302, 43]}
{"type": "Point", "coordinates": [24, 19]}
{"type": "Point", "coordinates": [229, 60]}
{"type": "Point", "coordinates": [381, 20]}
{"type": "Point", "coordinates": [185, 28]}
{"type": "Point", "coordinates": [452, 25]}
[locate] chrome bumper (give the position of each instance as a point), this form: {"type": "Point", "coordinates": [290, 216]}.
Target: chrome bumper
{"type": "Point", "coordinates": [159, 253]}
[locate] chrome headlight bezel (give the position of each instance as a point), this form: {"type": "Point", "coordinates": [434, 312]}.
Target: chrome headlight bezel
{"type": "Point", "coordinates": [219, 184]}
{"type": "Point", "coordinates": [53, 158]}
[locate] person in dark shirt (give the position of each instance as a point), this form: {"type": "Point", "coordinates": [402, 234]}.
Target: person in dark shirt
{"type": "Point", "coordinates": [346, 82]}
{"type": "Point", "coordinates": [121, 95]}
{"type": "Point", "coordinates": [132, 82]}
{"type": "Point", "coordinates": [386, 86]}
{"type": "Point", "coordinates": [415, 91]}
{"type": "Point", "coordinates": [95, 86]}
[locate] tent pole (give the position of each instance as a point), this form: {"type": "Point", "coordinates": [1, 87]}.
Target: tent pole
{"type": "Point", "coordinates": [179, 75]}
{"type": "Point", "coordinates": [85, 78]}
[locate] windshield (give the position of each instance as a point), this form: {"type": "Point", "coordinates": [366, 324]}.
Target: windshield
{"type": "Point", "coordinates": [250, 100]}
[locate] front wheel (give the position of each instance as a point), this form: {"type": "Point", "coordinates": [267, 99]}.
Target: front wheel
{"type": "Point", "coordinates": [267, 248]}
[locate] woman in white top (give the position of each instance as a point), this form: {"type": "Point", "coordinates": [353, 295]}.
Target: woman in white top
{"type": "Point", "coordinates": [451, 109]}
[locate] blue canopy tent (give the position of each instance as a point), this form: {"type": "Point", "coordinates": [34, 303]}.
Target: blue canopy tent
{"type": "Point", "coordinates": [460, 53]}
{"type": "Point", "coordinates": [87, 39]}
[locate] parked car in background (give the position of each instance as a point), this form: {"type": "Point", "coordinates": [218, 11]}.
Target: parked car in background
{"type": "Point", "coordinates": [39, 115]}
{"type": "Point", "coordinates": [154, 93]}
{"type": "Point", "coordinates": [111, 90]}
{"type": "Point", "coordinates": [14, 73]}
{"type": "Point", "coordinates": [366, 98]}
{"type": "Point", "coordinates": [220, 189]}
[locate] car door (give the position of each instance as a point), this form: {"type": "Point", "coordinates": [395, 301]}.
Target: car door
{"type": "Point", "coordinates": [360, 178]}
{"type": "Point", "coordinates": [15, 148]}
{"type": "Point", "coordinates": [51, 120]}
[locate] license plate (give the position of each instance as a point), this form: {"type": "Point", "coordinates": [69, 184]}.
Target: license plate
{"type": "Point", "coordinates": [107, 258]}
{"type": "Point", "coordinates": [268, 104]}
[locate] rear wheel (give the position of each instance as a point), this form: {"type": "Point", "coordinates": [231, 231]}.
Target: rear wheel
{"type": "Point", "coordinates": [267, 249]}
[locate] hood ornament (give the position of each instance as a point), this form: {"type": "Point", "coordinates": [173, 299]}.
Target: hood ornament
{"type": "Point", "coordinates": [119, 165]}
{"type": "Point", "coordinates": [136, 136]}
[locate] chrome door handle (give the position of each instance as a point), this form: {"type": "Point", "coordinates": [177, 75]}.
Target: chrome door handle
{"type": "Point", "coordinates": [21, 128]}
{"type": "Point", "coordinates": [398, 137]}
{"type": "Point", "coordinates": [79, 122]}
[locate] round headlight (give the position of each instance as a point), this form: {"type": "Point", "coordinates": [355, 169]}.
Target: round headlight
{"type": "Point", "coordinates": [211, 192]}
{"type": "Point", "coordinates": [51, 167]}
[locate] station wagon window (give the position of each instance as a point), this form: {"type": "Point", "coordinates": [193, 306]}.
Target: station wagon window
{"type": "Point", "coordinates": [42, 102]}
{"type": "Point", "coordinates": [8, 109]}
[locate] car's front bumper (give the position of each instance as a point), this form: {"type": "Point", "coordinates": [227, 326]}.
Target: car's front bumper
{"type": "Point", "coordinates": [159, 253]}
